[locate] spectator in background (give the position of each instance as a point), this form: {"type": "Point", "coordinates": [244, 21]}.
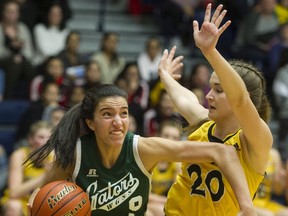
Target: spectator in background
{"type": "Point", "coordinates": [92, 75]}
{"type": "Point", "coordinates": [164, 110]}
{"type": "Point", "coordinates": [281, 10]}
{"type": "Point", "coordinates": [53, 72]}
{"type": "Point", "coordinates": [15, 36]}
{"type": "Point", "coordinates": [38, 110]}
{"type": "Point", "coordinates": [71, 55]}
{"type": "Point", "coordinates": [24, 179]}
{"type": "Point", "coordinates": [280, 92]}
{"type": "Point", "coordinates": [110, 62]}
{"type": "Point", "coordinates": [164, 174]}
{"type": "Point", "coordinates": [149, 59]}
{"type": "Point", "coordinates": [44, 5]}
{"type": "Point", "coordinates": [198, 81]}
{"type": "Point", "coordinates": [273, 62]}
{"type": "Point", "coordinates": [75, 96]}
{"type": "Point", "coordinates": [273, 183]}
{"type": "Point", "coordinates": [257, 33]}
{"type": "Point", "coordinates": [136, 88]}
{"type": "Point", "coordinates": [16, 51]}
{"type": "Point", "coordinates": [174, 18]}
{"type": "Point", "coordinates": [56, 115]}
{"type": "Point", "coordinates": [50, 36]}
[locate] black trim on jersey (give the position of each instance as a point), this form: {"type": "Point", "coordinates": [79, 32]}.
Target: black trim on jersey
{"type": "Point", "coordinates": [212, 138]}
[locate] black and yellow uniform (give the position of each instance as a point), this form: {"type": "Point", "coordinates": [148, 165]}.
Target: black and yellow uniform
{"type": "Point", "coordinates": [202, 189]}
{"type": "Point", "coordinates": [120, 190]}
{"type": "Point", "coordinates": [29, 172]}
{"type": "Point", "coordinates": [163, 178]}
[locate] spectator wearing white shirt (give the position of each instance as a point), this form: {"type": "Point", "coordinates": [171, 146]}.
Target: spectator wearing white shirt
{"type": "Point", "coordinates": [149, 59]}
{"type": "Point", "coordinates": [50, 36]}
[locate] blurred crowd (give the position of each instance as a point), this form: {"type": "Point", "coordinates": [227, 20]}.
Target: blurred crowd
{"type": "Point", "coordinates": [40, 61]}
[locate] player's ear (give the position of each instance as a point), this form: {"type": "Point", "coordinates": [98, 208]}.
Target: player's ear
{"type": "Point", "coordinates": [90, 123]}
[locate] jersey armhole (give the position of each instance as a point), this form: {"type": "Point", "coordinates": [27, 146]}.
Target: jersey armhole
{"type": "Point", "coordinates": [78, 160]}
{"type": "Point", "coordinates": [137, 157]}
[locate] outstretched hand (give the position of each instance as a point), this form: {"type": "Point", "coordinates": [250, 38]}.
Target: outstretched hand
{"type": "Point", "coordinates": [207, 36]}
{"type": "Point", "coordinates": [169, 64]}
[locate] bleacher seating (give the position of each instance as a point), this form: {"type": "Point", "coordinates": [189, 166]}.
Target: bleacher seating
{"type": "Point", "coordinates": [10, 113]}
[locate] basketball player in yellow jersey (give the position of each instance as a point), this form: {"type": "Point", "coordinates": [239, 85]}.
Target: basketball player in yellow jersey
{"type": "Point", "coordinates": [237, 115]}
{"type": "Point", "coordinates": [23, 180]}
{"type": "Point", "coordinates": [273, 182]}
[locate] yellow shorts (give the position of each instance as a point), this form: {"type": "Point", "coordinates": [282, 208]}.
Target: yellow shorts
{"type": "Point", "coordinates": [269, 205]}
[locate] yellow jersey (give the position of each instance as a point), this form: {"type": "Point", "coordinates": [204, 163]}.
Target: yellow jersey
{"type": "Point", "coordinates": [202, 189]}
{"type": "Point", "coordinates": [163, 177]}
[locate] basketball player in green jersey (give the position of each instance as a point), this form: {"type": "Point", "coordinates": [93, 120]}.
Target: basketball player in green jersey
{"type": "Point", "coordinates": [237, 116]}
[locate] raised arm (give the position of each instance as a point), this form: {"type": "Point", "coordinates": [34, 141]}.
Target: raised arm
{"type": "Point", "coordinates": [152, 150]}
{"type": "Point", "coordinates": [256, 133]}
{"type": "Point", "coordinates": [184, 100]}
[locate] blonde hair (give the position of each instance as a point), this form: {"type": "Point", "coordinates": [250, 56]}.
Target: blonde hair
{"type": "Point", "coordinates": [39, 125]}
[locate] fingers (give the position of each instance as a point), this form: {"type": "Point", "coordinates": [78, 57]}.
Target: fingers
{"type": "Point", "coordinates": [195, 26]}
{"type": "Point", "coordinates": [207, 13]}
{"type": "Point", "coordinates": [172, 53]}
{"type": "Point", "coordinates": [216, 14]}
{"type": "Point", "coordinates": [217, 17]}
{"type": "Point", "coordinates": [165, 54]}
{"type": "Point", "coordinates": [224, 27]}
{"type": "Point", "coordinates": [220, 18]}
{"type": "Point", "coordinates": [176, 61]}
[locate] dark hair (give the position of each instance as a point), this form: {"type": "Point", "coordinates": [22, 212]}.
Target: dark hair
{"type": "Point", "coordinates": [115, 57]}
{"type": "Point", "coordinates": [3, 6]}
{"type": "Point", "coordinates": [64, 137]}
{"type": "Point", "coordinates": [123, 73]}
{"type": "Point", "coordinates": [189, 82]}
{"type": "Point", "coordinates": [150, 39]}
{"type": "Point", "coordinates": [71, 33]}
{"type": "Point", "coordinates": [62, 24]}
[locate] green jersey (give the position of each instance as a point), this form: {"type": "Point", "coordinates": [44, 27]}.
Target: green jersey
{"type": "Point", "coordinates": [121, 190]}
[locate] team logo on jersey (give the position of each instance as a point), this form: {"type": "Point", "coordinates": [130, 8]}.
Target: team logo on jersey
{"type": "Point", "coordinates": [114, 194]}
{"type": "Point", "coordinates": [92, 173]}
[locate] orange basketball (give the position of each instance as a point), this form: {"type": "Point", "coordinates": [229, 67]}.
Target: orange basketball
{"type": "Point", "coordinates": [61, 198]}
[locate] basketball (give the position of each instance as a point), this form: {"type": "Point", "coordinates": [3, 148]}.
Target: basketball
{"type": "Point", "coordinates": [61, 198]}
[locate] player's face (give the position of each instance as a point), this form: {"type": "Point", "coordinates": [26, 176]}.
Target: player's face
{"type": "Point", "coordinates": [111, 121]}
{"type": "Point", "coordinates": [219, 108]}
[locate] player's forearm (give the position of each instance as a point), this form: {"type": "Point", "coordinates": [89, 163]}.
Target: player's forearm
{"type": "Point", "coordinates": [229, 164]}
{"type": "Point", "coordinates": [231, 82]}
{"type": "Point", "coordinates": [184, 100]}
